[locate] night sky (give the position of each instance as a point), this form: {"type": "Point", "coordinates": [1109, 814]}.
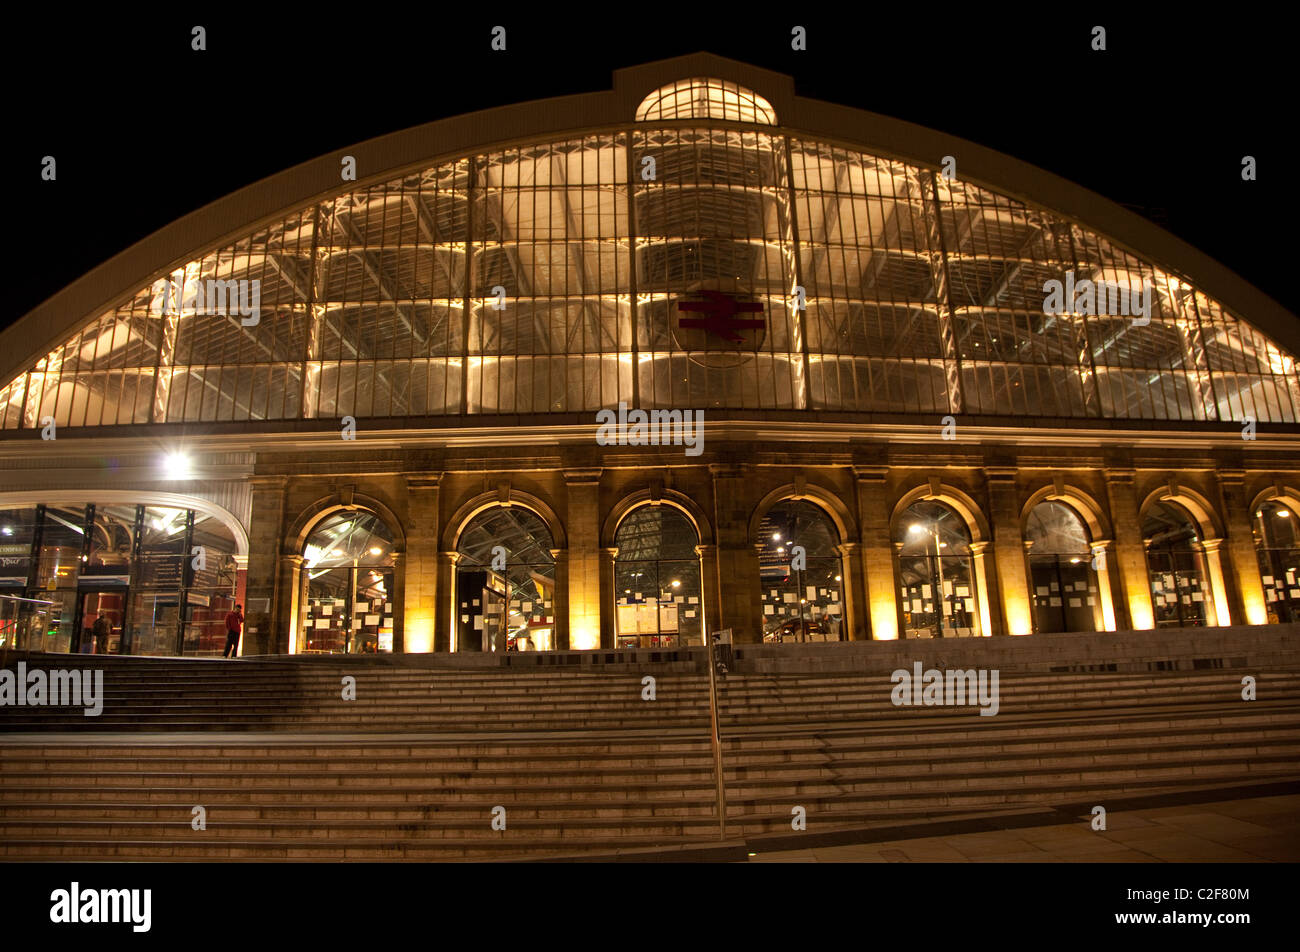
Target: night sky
{"type": "Point", "coordinates": [145, 130]}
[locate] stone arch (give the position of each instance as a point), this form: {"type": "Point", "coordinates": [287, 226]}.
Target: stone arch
{"type": "Point", "coordinates": [296, 537]}
{"type": "Point", "coordinates": [490, 500]}
{"type": "Point", "coordinates": [1277, 493]}
{"type": "Point", "coordinates": [1202, 511]}
{"type": "Point", "coordinates": [1080, 501]}
{"type": "Point", "coordinates": [664, 497]}
{"type": "Point", "coordinates": [824, 499]}
{"type": "Point", "coordinates": [961, 502]}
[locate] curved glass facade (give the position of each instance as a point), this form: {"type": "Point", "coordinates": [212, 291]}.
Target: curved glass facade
{"type": "Point", "coordinates": [552, 277]}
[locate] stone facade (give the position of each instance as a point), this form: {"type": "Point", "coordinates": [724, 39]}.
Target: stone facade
{"type": "Point", "coordinates": [582, 494]}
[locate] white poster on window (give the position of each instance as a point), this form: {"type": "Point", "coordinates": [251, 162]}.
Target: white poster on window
{"type": "Point", "coordinates": [769, 609]}
{"type": "Point", "coordinates": [374, 619]}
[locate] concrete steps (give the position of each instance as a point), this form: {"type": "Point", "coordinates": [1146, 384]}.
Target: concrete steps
{"type": "Point", "coordinates": [412, 770]}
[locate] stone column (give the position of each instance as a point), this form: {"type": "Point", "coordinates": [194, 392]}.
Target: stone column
{"type": "Point", "coordinates": [853, 595]}
{"type": "Point", "coordinates": [710, 589]}
{"type": "Point", "coordinates": [585, 602]}
{"type": "Point", "coordinates": [1248, 606]}
{"type": "Point", "coordinates": [398, 597]}
{"type": "Point", "coordinates": [1101, 566]}
{"type": "Point", "coordinates": [608, 598]}
{"type": "Point", "coordinates": [288, 616]}
{"type": "Point", "coordinates": [982, 595]}
{"type": "Point", "coordinates": [878, 585]}
{"type": "Point", "coordinates": [740, 594]}
{"type": "Point", "coordinates": [260, 594]}
{"type": "Point", "coordinates": [1013, 616]}
{"type": "Point", "coordinates": [421, 591]}
{"type": "Point", "coordinates": [1217, 603]}
{"type": "Point", "coordinates": [1130, 563]}
{"type": "Point", "coordinates": [560, 605]}
{"type": "Point", "coordinates": [445, 616]}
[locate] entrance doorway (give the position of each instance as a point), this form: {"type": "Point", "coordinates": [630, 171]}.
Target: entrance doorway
{"type": "Point", "coordinates": [94, 636]}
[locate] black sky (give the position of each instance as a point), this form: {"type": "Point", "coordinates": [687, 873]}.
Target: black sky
{"type": "Point", "coordinates": [146, 130]}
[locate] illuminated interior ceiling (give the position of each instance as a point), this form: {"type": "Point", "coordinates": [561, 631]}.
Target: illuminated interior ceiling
{"type": "Point", "coordinates": [545, 278]}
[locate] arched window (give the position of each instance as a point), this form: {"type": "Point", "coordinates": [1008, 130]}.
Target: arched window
{"type": "Point", "coordinates": [1064, 584]}
{"type": "Point", "coordinates": [348, 580]}
{"type": "Point", "coordinates": [657, 593]}
{"type": "Point", "coordinates": [1277, 543]}
{"type": "Point", "coordinates": [1175, 567]}
{"type": "Point", "coordinates": [801, 586]}
{"type": "Point", "coordinates": [936, 573]}
{"type": "Point", "coordinates": [505, 583]}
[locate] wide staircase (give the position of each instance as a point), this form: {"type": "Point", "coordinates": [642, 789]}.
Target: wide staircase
{"type": "Point", "coordinates": [414, 767]}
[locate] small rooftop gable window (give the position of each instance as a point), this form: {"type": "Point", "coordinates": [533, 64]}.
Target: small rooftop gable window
{"type": "Point", "coordinates": [706, 99]}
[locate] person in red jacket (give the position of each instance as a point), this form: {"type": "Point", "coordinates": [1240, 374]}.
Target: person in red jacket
{"type": "Point", "coordinates": [234, 624]}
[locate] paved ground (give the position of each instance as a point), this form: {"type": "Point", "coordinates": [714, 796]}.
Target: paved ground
{"type": "Point", "coordinates": [1264, 829]}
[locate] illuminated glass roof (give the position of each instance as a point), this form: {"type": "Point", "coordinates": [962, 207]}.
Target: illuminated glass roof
{"type": "Point", "coordinates": [547, 278]}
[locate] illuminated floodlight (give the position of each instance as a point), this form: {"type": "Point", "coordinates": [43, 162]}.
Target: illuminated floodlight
{"type": "Point", "coordinates": [177, 465]}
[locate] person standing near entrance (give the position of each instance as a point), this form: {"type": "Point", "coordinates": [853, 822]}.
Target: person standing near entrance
{"type": "Point", "coordinates": [102, 629]}
{"type": "Point", "coordinates": [234, 624]}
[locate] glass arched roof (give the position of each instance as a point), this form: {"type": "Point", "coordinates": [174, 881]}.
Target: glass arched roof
{"type": "Point", "coordinates": [546, 278]}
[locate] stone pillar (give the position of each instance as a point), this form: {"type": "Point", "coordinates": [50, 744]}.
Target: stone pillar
{"type": "Point", "coordinates": [560, 605]}
{"type": "Point", "coordinates": [287, 623]}
{"type": "Point", "coordinates": [879, 607]}
{"type": "Point", "coordinates": [421, 591]}
{"type": "Point", "coordinates": [1248, 606]}
{"type": "Point", "coordinates": [853, 595]}
{"type": "Point", "coordinates": [241, 598]}
{"type": "Point", "coordinates": [608, 598]}
{"type": "Point", "coordinates": [1218, 595]}
{"type": "Point", "coordinates": [710, 589]}
{"type": "Point", "coordinates": [1014, 616]}
{"type": "Point", "coordinates": [585, 601]}
{"type": "Point", "coordinates": [1101, 566]}
{"type": "Point", "coordinates": [740, 593]}
{"type": "Point", "coordinates": [444, 619]}
{"type": "Point", "coordinates": [1130, 563]}
{"type": "Point", "coordinates": [260, 594]}
{"type": "Point", "coordinates": [398, 598]}
{"type": "Point", "coordinates": [982, 595]}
